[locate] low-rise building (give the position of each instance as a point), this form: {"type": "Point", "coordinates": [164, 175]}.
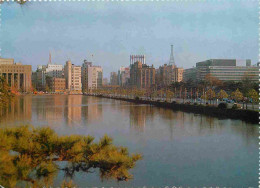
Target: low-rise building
{"type": "Point", "coordinates": [227, 69]}
{"type": "Point", "coordinates": [18, 76]}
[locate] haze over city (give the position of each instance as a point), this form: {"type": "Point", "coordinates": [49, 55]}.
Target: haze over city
{"type": "Point", "coordinates": [112, 31]}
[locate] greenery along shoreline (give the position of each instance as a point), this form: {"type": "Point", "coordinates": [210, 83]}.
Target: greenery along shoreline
{"type": "Point", "coordinates": [241, 114]}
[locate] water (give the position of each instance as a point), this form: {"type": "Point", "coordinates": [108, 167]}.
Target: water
{"type": "Point", "coordinates": [179, 149]}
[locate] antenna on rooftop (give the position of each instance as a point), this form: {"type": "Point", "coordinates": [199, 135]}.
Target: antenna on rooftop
{"type": "Point", "coordinates": [172, 62]}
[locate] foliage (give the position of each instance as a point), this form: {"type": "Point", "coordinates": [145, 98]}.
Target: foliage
{"type": "Point", "coordinates": [31, 155]}
{"type": "Point", "coordinates": [5, 93]}
{"type": "Point", "coordinates": [237, 95]}
{"type": "Point", "coordinates": [222, 105]}
{"type": "Point", "coordinates": [253, 95]}
{"type": "Point", "coordinates": [210, 94]}
{"type": "Point", "coordinates": [222, 94]}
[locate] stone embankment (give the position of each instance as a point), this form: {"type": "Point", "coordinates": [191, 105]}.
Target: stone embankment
{"type": "Point", "coordinates": [241, 114]}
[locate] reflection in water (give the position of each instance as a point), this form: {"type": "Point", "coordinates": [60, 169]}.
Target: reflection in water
{"type": "Point", "coordinates": [91, 112]}
{"type": "Point", "coordinates": [20, 109]}
{"type": "Point", "coordinates": [188, 145]}
{"type": "Point", "coordinates": [73, 110]}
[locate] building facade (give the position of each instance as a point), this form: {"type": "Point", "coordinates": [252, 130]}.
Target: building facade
{"type": "Point", "coordinates": [92, 76]}
{"type": "Point", "coordinates": [58, 84]}
{"type": "Point", "coordinates": [72, 75]}
{"type": "Point", "coordinates": [114, 79]}
{"type": "Point", "coordinates": [168, 74]}
{"type": "Point", "coordinates": [190, 74]}
{"type": "Point", "coordinates": [124, 76]}
{"type": "Point", "coordinates": [141, 75]}
{"type": "Point", "coordinates": [18, 76]}
{"type": "Point", "coordinates": [227, 69]}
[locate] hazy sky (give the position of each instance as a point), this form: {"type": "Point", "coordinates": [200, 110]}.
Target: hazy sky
{"type": "Point", "coordinates": [111, 31]}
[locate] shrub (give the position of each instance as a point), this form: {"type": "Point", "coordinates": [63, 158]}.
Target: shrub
{"type": "Point", "coordinates": [174, 102]}
{"type": "Point", "coordinates": [137, 98]}
{"type": "Point", "coordinates": [195, 104]}
{"type": "Point", "coordinates": [222, 105]}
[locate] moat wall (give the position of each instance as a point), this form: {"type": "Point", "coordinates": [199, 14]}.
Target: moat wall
{"type": "Point", "coordinates": [241, 114]}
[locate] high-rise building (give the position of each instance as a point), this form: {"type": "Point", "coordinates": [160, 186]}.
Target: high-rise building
{"type": "Point", "coordinates": [142, 75]}
{"type": "Point", "coordinates": [113, 79]}
{"type": "Point", "coordinates": [72, 75]}
{"type": "Point", "coordinates": [18, 76]}
{"type": "Point", "coordinates": [92, 76]}
{"type": "Point", "coordinates": [124, 76]}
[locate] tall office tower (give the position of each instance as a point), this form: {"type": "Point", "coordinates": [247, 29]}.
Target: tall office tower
{"type": "Point", "coordinates": [18, 76]}
{"type": "Point", "coordinates": [92, 76]}
{"type": "Point", "coordinates": [135, 58]}
{"type": "Point", "coordinates": [124, 76]}
{"type": "Point", "coordinates": [72, 75]}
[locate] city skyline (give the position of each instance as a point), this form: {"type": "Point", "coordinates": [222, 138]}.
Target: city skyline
{"type": "Point", "coordinates": [198, 31]}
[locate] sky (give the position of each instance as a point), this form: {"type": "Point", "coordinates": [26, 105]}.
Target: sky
{"type": "Point", "coordinates": [112, 31]}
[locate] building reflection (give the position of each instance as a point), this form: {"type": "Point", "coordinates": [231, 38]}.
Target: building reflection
{"type": "Point", "coordinates": [20, 109]}
{"type": "Point", "coordinates": [73, 110]}
{"type": "Point", "coordinates": [139, 115]}
{"type": "Point", "coordinates": [50, 109]}
{"type": "Point", "coordinates": [93, 110]}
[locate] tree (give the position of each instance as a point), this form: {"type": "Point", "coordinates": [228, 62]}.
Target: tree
{"type": "Point", "coordinates": [253, 95]}
{"type": "Point", "coordinates": [30, 155]}
{"type": "Point", "coordinates": [210, 94]}
{"type": "Point", "coordinates": [169, 95]}
{"type": "Point", "coordinates": [5, 93]}
{"type": "Point", "coordinates": [237, 95]}
{"type": "Point", "coordinates": [222, 94]}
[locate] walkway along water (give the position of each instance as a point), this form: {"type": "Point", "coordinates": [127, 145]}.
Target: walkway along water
{"type": "Point", "coordinates": [242, 114]}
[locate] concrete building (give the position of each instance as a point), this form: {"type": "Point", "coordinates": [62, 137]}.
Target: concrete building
{"type": "Point", "coordinates": [142, 75]}
{"type": "Point", "coordinates": [72, 75]}
{"type": "Point", "coordinates": [113, 79]}
{"type": "Point", "coordinates": [105, 81]}
{"type": "Point", "coordinates": [18, 76]}
{"type": "Point", "coordinates": [92, 76]}
{"type": "Point", "coordinates": [124, 76]}
{"type": "Point", "coordinates": [190, 74]}
{"type": "Point", "coordinates": [227, 69]}
{"type": "Point", "coordinates": [169, 73]}
{"type": "Point", "coordinates": [43, 71]}
{"type": "Point", "coordinates": [57, 84]}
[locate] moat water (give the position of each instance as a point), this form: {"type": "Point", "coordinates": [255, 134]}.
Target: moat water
{"type": "Point", "coordinates": [178, 148]}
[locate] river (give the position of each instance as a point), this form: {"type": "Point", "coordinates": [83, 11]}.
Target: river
{"type": "Point", "coordinates": [178, 148]}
